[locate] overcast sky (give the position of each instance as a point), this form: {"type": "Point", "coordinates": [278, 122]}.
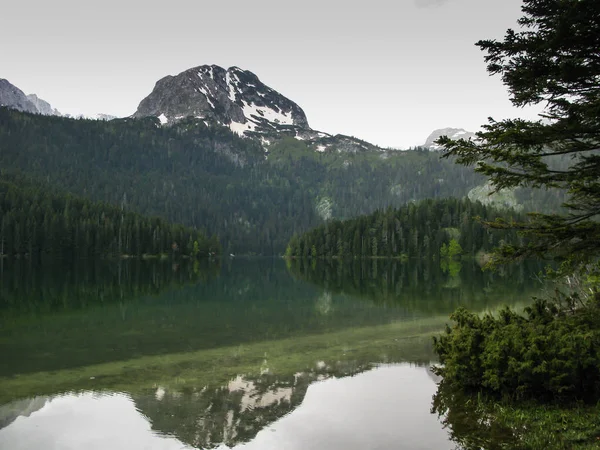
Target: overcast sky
{"type": "Point", "coordinates": [388, 72]}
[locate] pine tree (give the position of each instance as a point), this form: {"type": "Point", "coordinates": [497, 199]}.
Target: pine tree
{"type": "Point", "coordinates": [555, 61]}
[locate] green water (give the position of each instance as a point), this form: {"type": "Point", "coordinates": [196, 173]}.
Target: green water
{"type": "Point", "coordinates": [251, 353]}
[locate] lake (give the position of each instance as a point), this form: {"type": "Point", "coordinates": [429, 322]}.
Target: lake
{"type": "Point", "coordinates": [239, 353]}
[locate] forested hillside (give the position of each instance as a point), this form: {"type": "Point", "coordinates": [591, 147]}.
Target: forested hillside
{"type": "Point", "coordinates": [37, 221]}
{"type": "Point", "coordinates": [209, 178]}
{"type": "Point", "coordinates": [417, 230]}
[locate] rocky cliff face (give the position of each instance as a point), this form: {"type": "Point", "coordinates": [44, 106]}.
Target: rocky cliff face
{"type": "Point", "coordinates": [452, 133]}
{"type": "Point", "coordinates": [232, 97]}
{"type": "Point", "coordinates": [13, 97]}
{"type": "Point", "coordinates": [42, 106]}
{"type": "Point", "coordinates": [237, 99]}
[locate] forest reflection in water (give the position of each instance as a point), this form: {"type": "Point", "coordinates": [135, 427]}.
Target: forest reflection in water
{"type": "Point", "coordinates": [212, 354]}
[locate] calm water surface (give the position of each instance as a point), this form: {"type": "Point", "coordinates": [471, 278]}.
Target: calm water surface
{"type": "Point", "coordinates": [243, 353]}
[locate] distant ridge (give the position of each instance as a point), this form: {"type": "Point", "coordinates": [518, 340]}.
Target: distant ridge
{"type": "Point", "coordinates": [13, 97]}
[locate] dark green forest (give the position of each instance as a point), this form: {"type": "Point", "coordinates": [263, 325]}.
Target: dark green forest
{"type": "Point", "coordinates": [416, 230]}
{"type": "Point", "coordinates": [209, 178]}
{"type": "Point", "coordinates": [37, 221]}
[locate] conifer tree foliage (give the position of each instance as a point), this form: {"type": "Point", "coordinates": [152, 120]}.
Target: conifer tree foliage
{"type": "Point", "coordinates": [552, 352]}
{"type": "Point", "coordinates": [209, 178]}
{"type": "Point", "coordinates": [36, 221]}
{"type": "Point", "coordinates": [416, 230]}
{"type": "Point", "coordinates": [553, 60]}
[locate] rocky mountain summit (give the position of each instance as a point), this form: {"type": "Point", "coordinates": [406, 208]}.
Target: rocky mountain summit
{"type": "Point", "coordinates": [233, 97]}
{"type": "Point", "coordinates": [13, 97]}
{"type": "Point", "coordinates": [237, 99]}
{"type": "Point", "coordinates": [452, 133]}
{"type": "Point", "coordinates": [42, 106]}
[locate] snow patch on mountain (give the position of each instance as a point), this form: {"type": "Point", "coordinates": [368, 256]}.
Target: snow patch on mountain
{"type": "Point", "coordinates": [97, 116]}
{"type": "Point", "coordinates": [230, 87]}
{"type": "Point", "coordinates": [253, 112]}
{"type": "Point", "coordinates": [238, 99]}
{"type": "Point", "coordinates": [241, 128]}
{"type": "Point", "coordinates": [230, 97]}
{"type": "Point", "coordinates": [204, 91]}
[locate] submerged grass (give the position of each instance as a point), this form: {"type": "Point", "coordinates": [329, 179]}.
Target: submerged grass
{"type": "Point", "coordinates": [394, 342]}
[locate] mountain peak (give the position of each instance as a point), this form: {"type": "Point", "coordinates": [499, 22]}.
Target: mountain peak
{"type": "Point", "coordinates": [238, 99]}
{"type": "Point", "coordinates": [233, 97]}
{"type": "Point", "coordinates": [13, 97]}
{"type": "Point", "coordinates": [452, 133]}
{"type": "Point", "coordinates": [42, 106]}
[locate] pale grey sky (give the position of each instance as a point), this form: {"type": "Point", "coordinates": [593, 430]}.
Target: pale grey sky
{"type": "Point", "coordinates": [388, 72]}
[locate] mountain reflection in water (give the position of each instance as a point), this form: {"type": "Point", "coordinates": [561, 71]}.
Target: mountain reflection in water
{"type": "Point", "coordinates": [386, 407]}
{"type": "Point", "coordinates": [243, 354]}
